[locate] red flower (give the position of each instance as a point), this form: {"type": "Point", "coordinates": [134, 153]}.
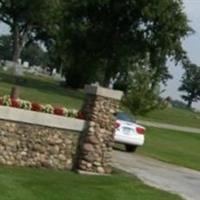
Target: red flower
{"type": "Point", "coordinates": [59, 111]}
{"type": "Point", "coordinates": [15, 103]}
{"type": "Point", "coordinates": [80, 115]}
{"type": "Point", "coordinates": [36, 107]}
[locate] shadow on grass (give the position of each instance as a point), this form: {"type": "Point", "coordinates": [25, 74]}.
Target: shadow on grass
{"type": "Point", "coordinates": [43, 85]}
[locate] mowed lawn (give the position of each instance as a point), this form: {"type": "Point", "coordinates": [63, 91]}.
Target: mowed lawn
{"type": "Point", "coordinates": [48, 91]}
{"type": "Point", "coordinates": [35, 184]}
{"type": "Point", "coordinates": [181, 117]}
{"type": "Point", "coordinates": [173, 146]}
{"type": "Point", "coordinates": [43, 90]}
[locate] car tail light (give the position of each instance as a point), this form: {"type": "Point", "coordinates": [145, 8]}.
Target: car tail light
{"type": "Point", "coordinates": [140, 130]}
{"type": "Point", "coordinates": [117, 125]}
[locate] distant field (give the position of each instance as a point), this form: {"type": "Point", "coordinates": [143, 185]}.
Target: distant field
{"type": "Point", "coordinates": [173, 147]}
{"type": "Point", "coordinates": [34, 184]}
{"type": "Point", "coordinates": [174, 116]}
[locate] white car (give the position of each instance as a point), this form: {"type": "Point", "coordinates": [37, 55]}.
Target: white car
{"type": "Point", "coordinates": [128, 132]}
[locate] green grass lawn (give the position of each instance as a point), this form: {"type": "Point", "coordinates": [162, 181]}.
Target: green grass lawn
{"type": "Point", "coordinates": [42, 90]}
{"type": "Point", "coordinates": [173, 147]}
{"type": "Point", "coordinates": [46, 90]}
{"type": "Point", "coordinates": [174, 116]}
{"type": "Point", "coordinates": [34, 184]}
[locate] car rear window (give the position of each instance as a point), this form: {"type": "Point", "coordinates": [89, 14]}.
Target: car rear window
{"type": "Point", "coordinates": [124, 117]}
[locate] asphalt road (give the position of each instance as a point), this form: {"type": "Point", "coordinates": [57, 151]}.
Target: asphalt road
{"type": "Point", "coordinates": [179, 180]}
{"type": "Point", "coordinates": [169, 126]}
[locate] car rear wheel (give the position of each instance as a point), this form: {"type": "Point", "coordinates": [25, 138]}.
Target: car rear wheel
{"type": "Point", "coordinates": [130, 148]}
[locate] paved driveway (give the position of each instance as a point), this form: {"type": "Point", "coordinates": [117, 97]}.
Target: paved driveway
{"type": "Point", "coordinates": [179, 180]}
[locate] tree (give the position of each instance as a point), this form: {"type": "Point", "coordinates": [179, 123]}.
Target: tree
{"type": "Point", "coordinates": [178, 104]}
{"type": "Point", "coordinates": [35, 55]}
{"type": "Point", "coordinates": [24, 17]}
{"type": "Point", "coordinates": [51, 35]}
{"type": "Point", "coordinates": [103, 36]}
{"type": "Point", "coordinates": [139, 96]}
{"type": "Point", "coordinates": [5, 47]}
{"type": "Point", "coordinates": [191, 83]}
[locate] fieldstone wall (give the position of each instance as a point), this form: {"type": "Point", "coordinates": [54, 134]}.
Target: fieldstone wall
{"type": "Point", "coordinates": [97, 141]}
{"type": "Point", "coordinates": [34, 139]}
{"type": "Point", "coordinates": [24, 144]}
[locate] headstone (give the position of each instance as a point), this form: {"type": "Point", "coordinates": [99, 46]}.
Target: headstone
{"type": "Point", "coordinates": [25, 64]}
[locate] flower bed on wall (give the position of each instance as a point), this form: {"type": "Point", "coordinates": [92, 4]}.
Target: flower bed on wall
{"type": "Point", "coordinates": [37, 107]}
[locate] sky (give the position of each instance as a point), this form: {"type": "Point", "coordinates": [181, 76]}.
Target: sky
{"type": "Point", "coordinates": [191, 45]}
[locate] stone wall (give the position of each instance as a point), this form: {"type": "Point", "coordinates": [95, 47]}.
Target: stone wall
{"type": "Point", "coordinates": [35, 139]}
{"type": "Point", "coordinates": [97, 142]}
{"type": "Point", "coordinates": [36, 146]}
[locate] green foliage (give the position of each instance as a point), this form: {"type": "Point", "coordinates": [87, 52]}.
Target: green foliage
{"type": "Point", "coordinates": [35, 55]}
{"type": "Point", "coordinates": [178, 104]}
{"type": "Point", "coordinates": [48, 108]}
{"type": "Point", "coordinates": [191, 83]}
{"type": "Point", "coordinates": [24, 18]}
{"type": "Point", "coordinates": [100, 37]}
{"type": "Point", "coordinates": [141, 100]}
{"type": "Point", "coordinates": [5, 47]}
{"type": "Point", "coordinates": [95, 40]}
{"type": "Point", "coordinates": [140, 97]}
{"type": "Point", "coordinates": [26, 105]}
{"type": "Point", "coordinates": [6, 100]}
{"type": "Point", "coordinates": [32, 52]}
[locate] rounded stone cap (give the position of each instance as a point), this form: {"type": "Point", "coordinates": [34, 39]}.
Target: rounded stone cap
{"type": "Point", "coordinates": [104, 92]}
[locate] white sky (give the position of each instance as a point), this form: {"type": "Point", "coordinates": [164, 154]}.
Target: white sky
{"type": "Point", "coordinates": [191, 45]}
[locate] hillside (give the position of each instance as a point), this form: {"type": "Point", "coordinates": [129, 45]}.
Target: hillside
{"type": "Point", "coordinates": [176, 116]}
{"type": "Point", "coordinates": [46, 90]}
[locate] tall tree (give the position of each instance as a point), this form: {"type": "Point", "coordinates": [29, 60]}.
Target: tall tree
{"type": "Point", "coordinates": [191, 84]}
{"type": "Point", "coordinates": [103, 36]}
{"type": "Point", "coordinates": [24, 17]}
{"type": "Point", "coordinates": [139, 96]}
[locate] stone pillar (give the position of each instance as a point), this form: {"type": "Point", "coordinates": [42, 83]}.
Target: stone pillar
{"type": "Point", "coordinates": [97, 142]}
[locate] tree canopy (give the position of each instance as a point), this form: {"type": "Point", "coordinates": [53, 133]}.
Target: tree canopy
{"type": "Point", "coordinates": [35, 55]}
{"type": "Point", "coordinates": [104, 37]}
{"type": "Point", "coordinates": [32, 52]}
{"type": "Point", "coordinates": [24, 17]}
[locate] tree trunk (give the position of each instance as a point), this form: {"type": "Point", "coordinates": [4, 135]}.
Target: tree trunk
{"type": "Point", "coordinates": [14, 92]}
{"type": "Point", "coordinates": [107, 74]}
{"type": "Point", "coordinates": [189, 105]}
{"type": "Point", "coordinates": [17, 43]}
{"type": "Point", "coordinates": [106, 81]}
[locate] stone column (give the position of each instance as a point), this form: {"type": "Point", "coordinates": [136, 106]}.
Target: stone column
{"type": "Point", "coordinates": [97, 142]}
